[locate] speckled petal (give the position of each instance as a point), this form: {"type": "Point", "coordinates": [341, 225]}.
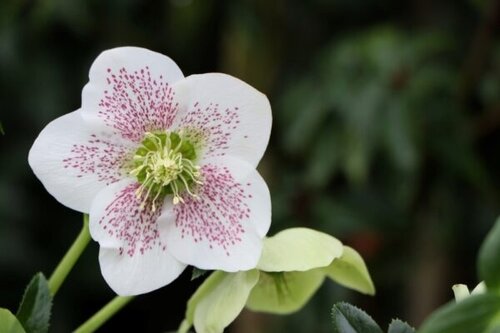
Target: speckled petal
{"type": "Point", "coordinates": [74, 162]}
{"type": "Point", "coordinates": [222, 228]}
{"type": "Point", "coordinates": [133, 258]}
{"type": "Point", "coordinates": [230, 117]}
{"type": "Point", "coordinates": [130, 92]}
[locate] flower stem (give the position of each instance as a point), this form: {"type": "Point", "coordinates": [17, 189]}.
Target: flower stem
{"type": "Point", "coordinates": [68, 261]}
{"type": "Point", "coordinates": [185, 326]}
{"type": "Point", "coordinates": [104, 314]}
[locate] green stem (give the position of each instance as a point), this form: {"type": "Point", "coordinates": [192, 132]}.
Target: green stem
{"type": "Point", "coordinates": [104, 314]}
{"type": "Point", "coordinates": [68, 261]}
{"type": "Point", "coordinates": [185, 326]}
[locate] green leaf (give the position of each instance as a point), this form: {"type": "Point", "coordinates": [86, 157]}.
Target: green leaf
{"type": "Point", "coordinates": [1, 129]}
{"type": "Point", "coordinates": [350, 271]}
{"type": "Point", "coordinates": [349, 319]}
{"type": "Point", "coordinates": [322, 167]}
{"type": "Point", "coordinates": [284, 292]}
{"type": "Point", "coordinates": [398, 326]}
{"type": "Point", "coordinates": [489, 259]}
{"type": "Point", "coordinates": [219, 300]}
{"type": "Point", "coordinates": [399, 134]}
{"type": "Point", "coordinates": [34, 311]}
{"type": "Point", "coordinates": [298, 249]}
{"type": "Point", "coordinates": [197, 272]}
{"type": "Point", "coordinates": [477, 313]}
{"type": "Point", "coordinates": [306, 113]}
{"type": "Point", "coordinates": [9, 322]}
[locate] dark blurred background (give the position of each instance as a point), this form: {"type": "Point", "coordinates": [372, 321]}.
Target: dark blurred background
{"type": "Point", "coordinates": [386, 135]}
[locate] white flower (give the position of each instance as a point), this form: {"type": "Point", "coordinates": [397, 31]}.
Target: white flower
{"type": "Point", "coordinates": [164, 165]}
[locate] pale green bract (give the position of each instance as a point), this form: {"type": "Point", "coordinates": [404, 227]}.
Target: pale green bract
{"type": "Point", "coordinates": [284, 292]}
{"type": "Point", "coordinates": [293, 265]}
{"type": "Point", "coordinates": [350, 271]}
{"type": "Point", "coordinates": [218, 301]}
{"type": "Point", "coordinates": [298, 249]}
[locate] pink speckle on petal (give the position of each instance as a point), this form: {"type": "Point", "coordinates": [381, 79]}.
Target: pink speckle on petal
{"type": "Point", "coordinates": [98, 156]}
{"type": "Point", "coordinates": [135, 103]}
{"type": "Point", "coordinates": [217, 216]}
{"type": "Point", "coordinates": [216, 124]}
{"type": "Point", "coordinates": [136, 228]}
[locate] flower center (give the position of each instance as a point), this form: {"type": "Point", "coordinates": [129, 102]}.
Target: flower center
{"type": "Point", "coordinates": [164, 164]}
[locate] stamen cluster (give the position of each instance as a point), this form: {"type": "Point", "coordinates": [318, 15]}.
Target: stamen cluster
{"type": "Point", "coordinates": [164, 164]}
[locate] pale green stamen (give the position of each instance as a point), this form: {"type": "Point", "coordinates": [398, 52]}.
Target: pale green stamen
{"type": "Point", "coordinates": [164, 165]}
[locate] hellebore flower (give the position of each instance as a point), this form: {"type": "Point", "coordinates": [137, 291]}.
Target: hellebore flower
{"type": "Point", "coordinates": [165, 166]}
{"type": "Point", "coordinates": [293, 266]}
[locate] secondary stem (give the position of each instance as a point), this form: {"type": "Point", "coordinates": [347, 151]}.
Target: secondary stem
{"type": "Point", "coordinates": [68, 261]}
{"type": "Point", "coordinates": [104, 314]}
{"type": "Point", "coordinates": [185, 326]}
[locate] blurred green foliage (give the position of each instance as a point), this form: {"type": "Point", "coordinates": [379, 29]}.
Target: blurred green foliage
{"type": "Point", "coordinates": [386, 118]}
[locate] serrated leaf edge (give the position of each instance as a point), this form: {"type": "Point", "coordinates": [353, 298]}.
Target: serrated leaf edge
{"type": "Point", "coordinates": [401, 321]}
{"type": "Point", "coordinates": [47, 326]}
{"type": "Point", "coordinates": [335, 306]}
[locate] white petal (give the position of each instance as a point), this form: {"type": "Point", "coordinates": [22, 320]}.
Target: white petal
{"type": "Point", "coordinates": [74, 162]}
{"type": "Point", "coordinates": [129, 91]}
{"type": "Point", "coordinates": [461, 292]}
{"type": "Point", "coordinates": [133, 258]}
{"type": "Point", "coordinates": [139, 274]}
{"type": "Point", "coordinates": [479, 289]}
{"type": "Point", "coordinates": [233, 118]}
{"type": "Point", "coordinates": [224, 227]}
